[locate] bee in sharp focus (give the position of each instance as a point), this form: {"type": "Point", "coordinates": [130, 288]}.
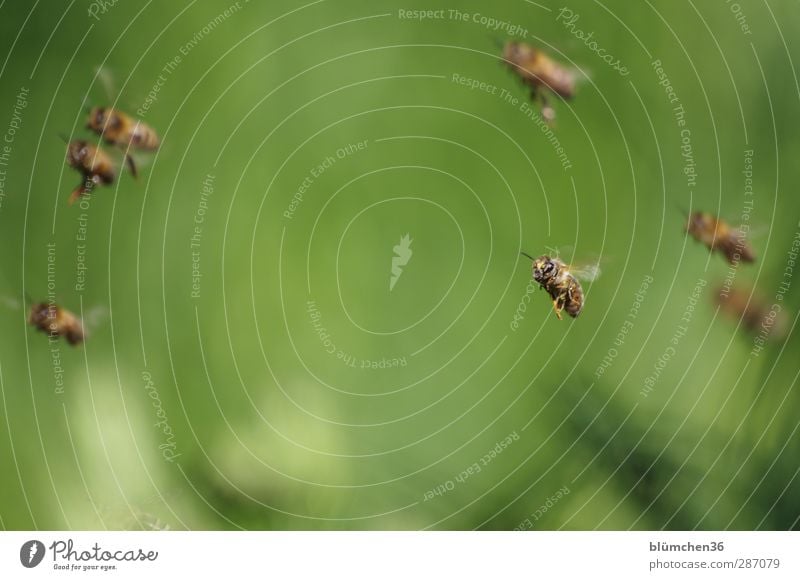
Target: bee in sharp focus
{"type": "Point", "coordinates": [561, 282]}
{"type": "Point", "coordinates": [56, 322]}
{"type": "Point", "coordinates": [540, 73]}
{"type": "Point", "coordinates": [117, 128]}
{"type": "Point", "coordinates": [94, 165]}
{"type": "Point", "coordinates": [717, 235]}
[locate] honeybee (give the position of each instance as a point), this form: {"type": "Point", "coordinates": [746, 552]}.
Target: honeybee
{"type": "Point", "coordinates": [94, 165]}
{"type": "Point", "coordinates": [717, 235]}
{"type": "Point", "coordinates": [561, 282]}
{"type": "Point", "coordinates": [117, 128]}
{"type": "Point", "coordinates": [539, 72]}
{"type": "Point", "coordinates": [56, 322]}
{"type": "Point", "coordinates": [756, 316]}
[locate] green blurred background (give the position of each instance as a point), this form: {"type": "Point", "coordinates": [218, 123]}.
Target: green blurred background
{"type": "Point", "coordinates": [224, 409]}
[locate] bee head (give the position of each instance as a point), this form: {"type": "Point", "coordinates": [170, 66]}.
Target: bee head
{"type": "Point", "coordinates": [698, 221]}
{"type": "Point", "coordinates": [517, 51]}
{"type": "Point", "coordinates": [97, 118]}
{"type": "Point", "coordinates": [41, 313]}
{"type": "Point", "coordinates": [76, 152]}
{"type": "Point", "coordinates": [543, 268]}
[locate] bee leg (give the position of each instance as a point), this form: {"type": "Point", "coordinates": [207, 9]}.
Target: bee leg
{"type": "Point", "coordinates": [556, 308]}
{"type": "Point", "coordinates": [84, 188]}
{"type": "Point", "coordinates": [131, 165]}
{"type": "Point", "coordinates": [76, 193]}
{"type": "Point", "coordinates": [74, 337]}
{"type": "Point", "coordinates": [548, 112]}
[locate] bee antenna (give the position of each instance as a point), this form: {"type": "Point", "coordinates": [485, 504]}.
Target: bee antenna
{"type": "Point", "coordinates": [497, 42]}
{"type": "Point", "coordinates": [682, 209]}
{"type": "Point", "coordinates": [531, 258]}
{"type": "Point", "coordinates": [63, 138]}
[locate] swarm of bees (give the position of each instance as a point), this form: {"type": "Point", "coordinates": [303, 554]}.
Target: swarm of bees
{"type": "Point", "coordinates": [534, 67]}
{"type": "Point", "coordinates": [93, 163]}
{"type": "Point", "coordinates": [541, 74]}
{"type": "Point", "coordinates": [96, 168]}
{"type": "Point", "coordinates": [756, 316]}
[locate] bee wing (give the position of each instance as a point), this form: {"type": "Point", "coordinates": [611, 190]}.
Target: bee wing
{"type": "Point", "coordinates": [587, 272]}
{"type": "Point", "coordinates": [94, 317]}
{"type": "Point", "coordinates": [582, 75]}
{"type": "Point", "coordinates": [106, 80]}
{"type": "Point", "coordinates": [10, 303]}
{"type": "Point", "coordinates": [753, 232]}
{"type": "Point", "coordinates": [133, 160]}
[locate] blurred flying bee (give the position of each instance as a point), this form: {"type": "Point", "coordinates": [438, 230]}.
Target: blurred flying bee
{"type": "Point", "coordinates": [56, 322]}
{"type": "Point", "coordinates": [717, 235]}
{"type": "Point", "coordinates": [755, 314]}
{"type": "Point", "coordinates": [117, 128]}
{"type": "Point", "coordinates": [540, 73]}
{"type": "Point", "coordinates": [94, 165]}
{"type": "Point", "coordinates": [561, 282]}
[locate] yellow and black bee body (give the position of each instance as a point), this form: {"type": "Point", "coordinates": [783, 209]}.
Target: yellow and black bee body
{"type": "Point", "coordinates": [56, 322]}
{"type": "Point", "coordinates": [539, 72]}
{"type": "Point", "coordinates": [718, 236]}
{"type": "Point", "coordinates": [94, 165]}
{"type": "Point", "coordinates": [564, 289]}
{"type": "Point", "coordinates": [123, 131]}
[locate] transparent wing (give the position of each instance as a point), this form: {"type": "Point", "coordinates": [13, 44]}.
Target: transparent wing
{"type": "Point", "coordinates": [10, 302]}
{"type": "Point", "coordinates": [142, 159]}
{"type": "Point", "coordinates": [754, 232]}
{"type": "Point", "coordinates": [106, 80]}
{"type": "Point", "coordinates": [587, 272]}
{"type": "Point", "coordinates": [94, 317]}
